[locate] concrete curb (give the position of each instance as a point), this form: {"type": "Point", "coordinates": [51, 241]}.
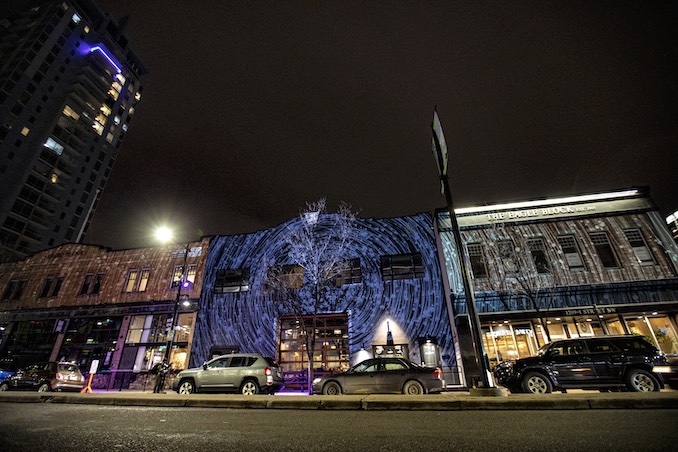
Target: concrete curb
{"type": "Point", "coordinates": [444, 402]}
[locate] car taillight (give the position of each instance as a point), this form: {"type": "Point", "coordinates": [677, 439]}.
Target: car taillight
{"type": "Point", "coordinates": [268, 371]}
{"type": "Point", "coordinates": [438, 374]}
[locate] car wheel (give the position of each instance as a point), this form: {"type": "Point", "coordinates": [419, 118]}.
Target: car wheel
{"type": "Point", "coordinates": [639, 380]}
{"type": "Point", "coordinates": [413, 388]}
{"type": "Point", "coordinates": [186, 387]}
{"type": "Point", "coordinates": [332, 388]}
{"type": "Point", "coordinates": [536, 383]}
{"type": "Point", "coordinates": [4, 387]}
{"type": "Point", "coordinates": [43, 387]}
{"type": "Point", "coordinates": [249, 387]}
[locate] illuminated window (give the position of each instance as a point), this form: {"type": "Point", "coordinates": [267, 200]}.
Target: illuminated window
{"type": "Point", "coordinates": [68, 111]}
{"type": "Point", "coordinates": [352, 274]}
{"type": "Point", "coordinates": [98, 127]}
{"type": "Point", "coordinates": [137, 280]}
{"type": "Point", "coordinates": [109, 137]}
{"type": "Point", "coordinates": [137, 96]}
{"type": "Point", "coordinates": [572, 253]}
{"type": "Point", "coordinates": [604, 249]}
{"type": "Point", "coordinates": [113, 93]}
{"type": "Point", "coordinates": [25, 131]}
{"type": "Point", "coordinates": [639, 246]}
{"type": "Point", "coordinates": [76, 18]}
{"type": "Point", "coordinates": [116, 120]}
{"type": "Point", "coordinates": [121, 78]}
{"type": "Point", "coordinates": [54, 146]}
{"type": "Point", "coordinates": [86, 29]}
{"type": "Point", "coordinates": [177, 276]}
{"type": "Point", "coordinates": [116, 86]}
{"type": "Point", "coordinates": [294, 276]}
{"type": "Point", "coordinates": [105, 110]}
{"type": "Point", "coordinates": [131, 111]}
{"type": "Point", "coordinates": [54, 178]}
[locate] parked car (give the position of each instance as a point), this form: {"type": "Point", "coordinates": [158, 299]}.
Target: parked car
{"type": "Point", "coordinates": [46, 376]}
{"type": "Point", "coordinates": [382, 375]}
{"type": "Point", "coordinates": [246, 373]}
{"type": "Point", "coordinates": [603, 363]}
{"type": "Point", "coordinates": [669, 372]}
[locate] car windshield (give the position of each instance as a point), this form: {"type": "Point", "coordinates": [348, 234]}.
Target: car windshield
{"type": "Point", "coordinates": [68, 367]}
{"type": "Point", "coordinates": [543, 349]}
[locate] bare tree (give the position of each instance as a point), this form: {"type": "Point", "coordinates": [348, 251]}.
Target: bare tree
{"type": "Point", "coordinates": [317, 249]}
{"type": "Point", "coordinates": [522, 270]}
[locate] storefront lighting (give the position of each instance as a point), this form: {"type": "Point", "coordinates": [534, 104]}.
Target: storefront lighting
{"type": "Point", "coordinates": [544, 202]}
{"type": "Point", "coordinates": [548, 322]}
{"type": "Point", "coordinates": [654, 313]}
{"type": "Point", "coordinates": [589, 320]}
{"type": "Point", "coordinates": [558, 319]}
{"type": "Point", "coordinates": [506, 321]}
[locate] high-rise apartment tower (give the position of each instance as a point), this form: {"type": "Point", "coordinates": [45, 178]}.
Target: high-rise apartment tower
{"type": "Point", "coordinates": [69, 85]}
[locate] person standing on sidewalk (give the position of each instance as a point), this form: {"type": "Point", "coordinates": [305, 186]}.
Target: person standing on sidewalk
{"type": "Point", "coordinates": [160, 370]}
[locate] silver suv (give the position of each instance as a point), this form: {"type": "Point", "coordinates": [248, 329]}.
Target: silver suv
{"type": "Point", "coordinates": [246, 373]}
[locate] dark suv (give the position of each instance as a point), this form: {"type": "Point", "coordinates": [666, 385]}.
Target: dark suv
{"type": "Point", "coordinates": [586, 363]}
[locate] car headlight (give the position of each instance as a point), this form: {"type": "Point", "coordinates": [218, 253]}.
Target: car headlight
{"type": "Point", "coordinates": [316, 380]}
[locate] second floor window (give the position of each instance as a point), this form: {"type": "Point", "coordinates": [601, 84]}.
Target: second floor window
{"type": "Point", "coordinates": [572, 254]}
{"type": "Point", "coordinates": [51, 286]}
{"type": "Point", "coordinates": [137, 280]}
{"type": "Point", "coordinates": [236, 280]}
{"type": "Point", "coordinates": [475, 254]}
{"type": "Point", "coordinates": [640, 249]}
{"type": "Point", "coordinates": [538, 252]}
{"type": "Point", "coordinates": [91, 285]}
{"type": "Point", "coordinates": [604, 249]}
{"type": "Point", "coordinates": [402, 266]}
{"type": "Point", "coordinates": [352, 274]}
{"type": "Point", "coordinates": [189, 278]}
{"type": "Point", "coordinates": [14, 289]}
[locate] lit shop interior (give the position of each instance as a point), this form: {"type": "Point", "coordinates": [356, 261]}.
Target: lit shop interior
{"type": "Point", "coordinates": [508, 340]}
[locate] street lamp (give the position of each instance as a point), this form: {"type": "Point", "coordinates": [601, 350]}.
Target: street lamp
{"type": "Point", "coordinates": [165, 234]}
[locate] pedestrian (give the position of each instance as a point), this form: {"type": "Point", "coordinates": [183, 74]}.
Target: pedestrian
{"type": "Point", "coordinates": [160, 371]}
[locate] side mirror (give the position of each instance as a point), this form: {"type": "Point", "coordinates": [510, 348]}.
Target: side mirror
{"type": "Point", "coordinates": [204, 366]}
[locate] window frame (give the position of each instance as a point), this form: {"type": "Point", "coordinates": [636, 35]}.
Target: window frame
{"type": "Point", "coordinates": [231, 280]}
{"type": "Point", "coordinates": [402, 266]}
{"type": "Point", "coordinates": [604, 249]}
{"type": "Point", "coordinates": [562, 242]}
{"type": "Point", "coordinates": [537, 248]}
{"type": "Point", "coordinates": [140, 281]}
{"type": "Point", "coordinates": [476, 258]}
{"type": "Point", "coordinates": [628, 233]}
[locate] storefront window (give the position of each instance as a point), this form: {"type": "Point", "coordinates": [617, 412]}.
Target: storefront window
{"type": "Point", "coordinates": [664, 334]}
{"type": "Point", "coordinates": [331, 345]}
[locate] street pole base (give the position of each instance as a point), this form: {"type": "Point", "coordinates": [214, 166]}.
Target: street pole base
{"type": "Point", "coordinates": [489, 392]}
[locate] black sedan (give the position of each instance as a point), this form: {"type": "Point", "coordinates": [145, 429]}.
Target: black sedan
{"type": "Point", "coordinates": [382, 375]}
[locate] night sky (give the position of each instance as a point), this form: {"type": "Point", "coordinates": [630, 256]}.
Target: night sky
{"type": "Point", "coordinates": [251, 109]}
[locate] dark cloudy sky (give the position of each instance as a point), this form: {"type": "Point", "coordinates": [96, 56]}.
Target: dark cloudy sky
{"type": "Point", "coordinates": [253, 108]}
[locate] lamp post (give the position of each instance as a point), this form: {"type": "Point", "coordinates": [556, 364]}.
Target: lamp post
{"type": "Point", "coordinates": [164, 234]}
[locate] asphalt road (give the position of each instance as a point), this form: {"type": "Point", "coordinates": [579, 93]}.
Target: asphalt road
{"type": "Point", "coordinates": [71, 427]}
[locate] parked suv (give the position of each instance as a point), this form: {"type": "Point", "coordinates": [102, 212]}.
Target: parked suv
{"type": "Point", "coordinates": [586, 363]}
{"type": "Point", "coordinates": [247, 373]}
{"type": "Point", "coordinates": [46, 376]}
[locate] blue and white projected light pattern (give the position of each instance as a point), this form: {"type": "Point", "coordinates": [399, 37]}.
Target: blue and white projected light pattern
{"type": "Point", "coordinates": [249, 320]}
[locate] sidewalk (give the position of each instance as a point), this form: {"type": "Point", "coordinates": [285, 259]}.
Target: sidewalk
{"type": "Point", "coordinates": [449, 401]}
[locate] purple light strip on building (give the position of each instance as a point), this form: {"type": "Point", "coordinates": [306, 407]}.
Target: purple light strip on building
{"type": "Point", "coordinates": [110, 59]}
